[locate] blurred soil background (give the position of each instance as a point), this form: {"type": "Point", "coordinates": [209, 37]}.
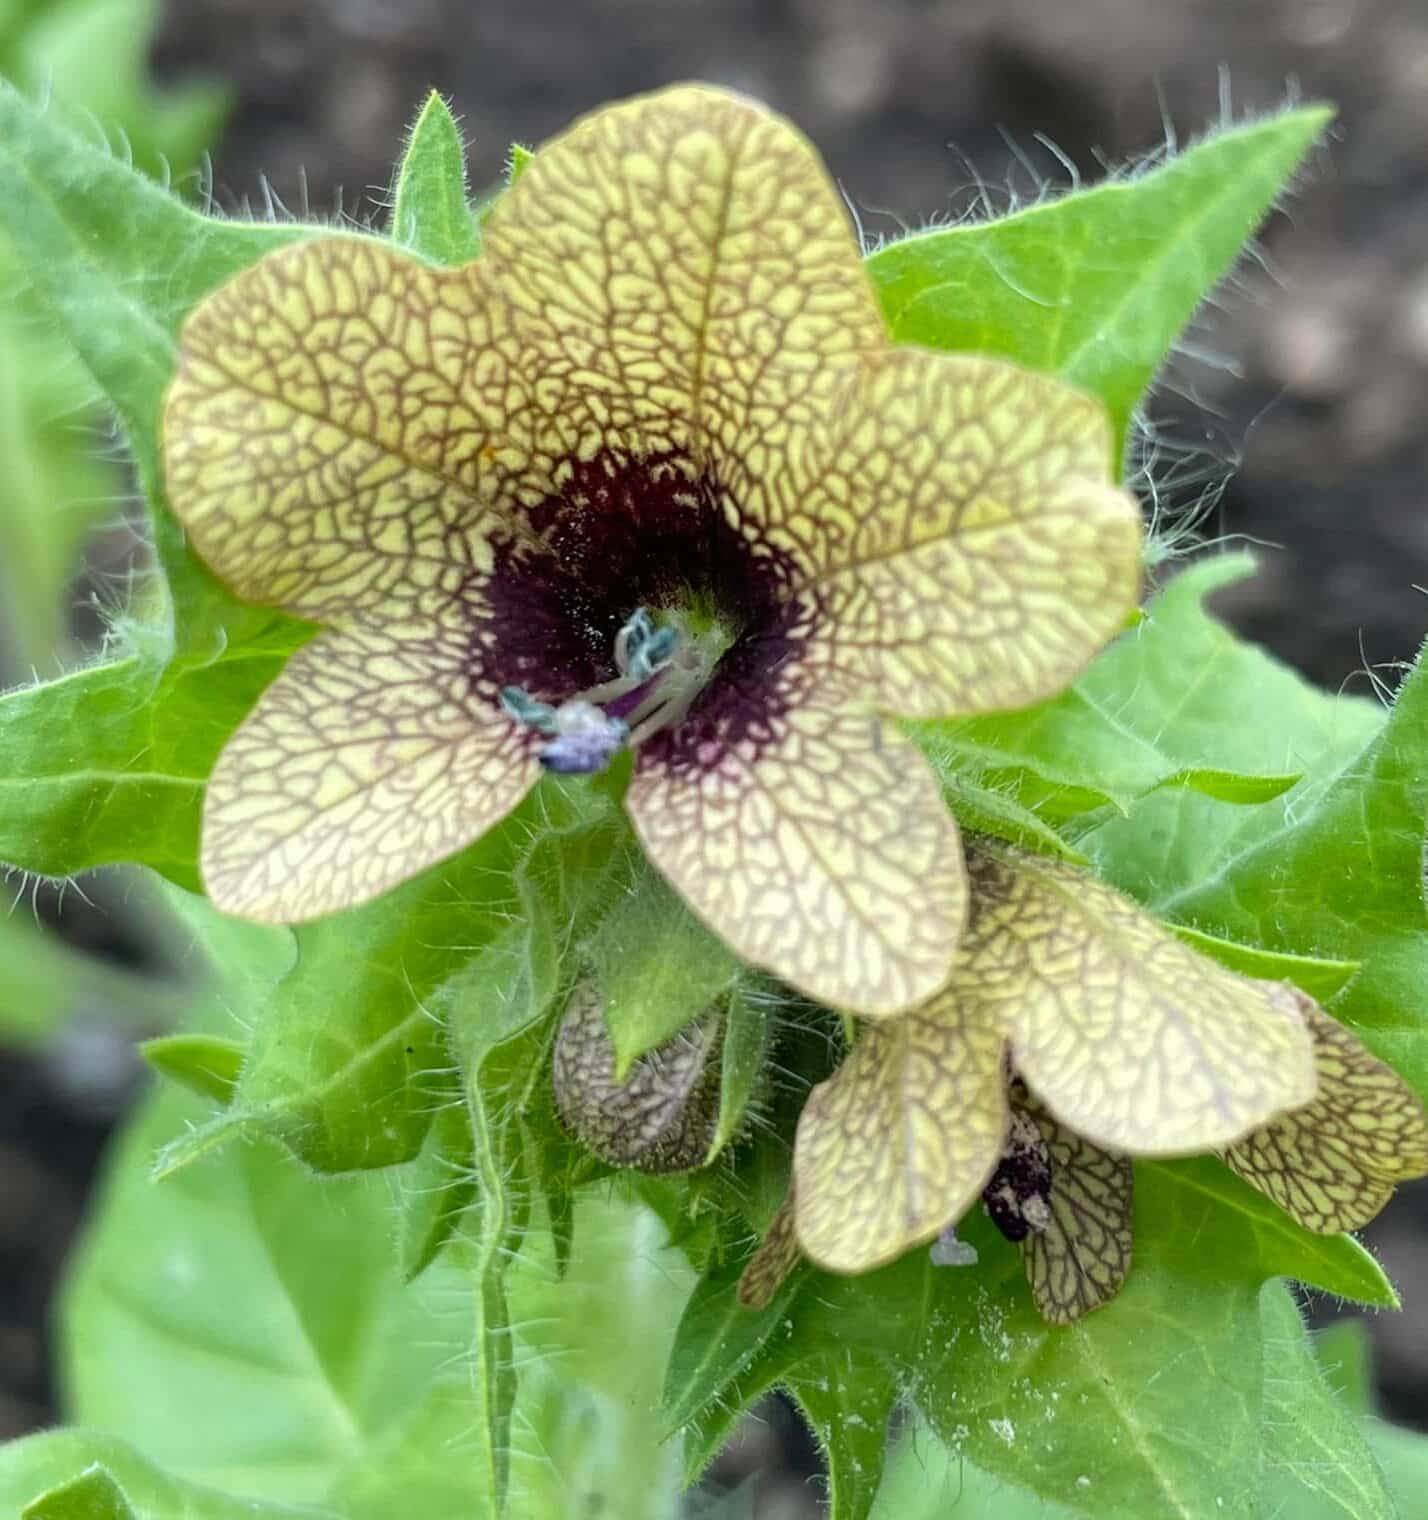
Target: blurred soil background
{"type": "Point", "coordinates": [1294, 417]}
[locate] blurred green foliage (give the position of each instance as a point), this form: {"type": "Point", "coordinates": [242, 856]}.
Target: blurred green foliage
{"type": "Point", "coordinates": [89, 59]}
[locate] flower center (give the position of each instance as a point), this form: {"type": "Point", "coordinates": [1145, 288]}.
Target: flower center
{"type": "Point", "coordinates": [663, 667]}
{"type": "Point", "coordinates": [637, 594]}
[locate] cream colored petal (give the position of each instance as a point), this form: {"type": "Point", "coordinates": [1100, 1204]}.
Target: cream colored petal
{"type": "Point", "coordinates": [901, 1139]}
{"type": "Point", "coordinates": [1127, 1035]}
{"type": "Point", "coordinates": [1333, 1164]}
{"type": "Point", "coordinates": [345, 427]}
{"type": "Point", "coordinates": [368, 759]}
{"type": "Point", "coordinates": [686, 276]}
{"type": "Point", "coordinates": [1082, 1257]}
{"type": "Point", "coordinates": [819, 849]}
{"type": "Point", "coordinates": [971, 552]}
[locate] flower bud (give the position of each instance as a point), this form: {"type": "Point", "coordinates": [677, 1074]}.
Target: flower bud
{"type": "Point", "coordinates": [663, 1116]}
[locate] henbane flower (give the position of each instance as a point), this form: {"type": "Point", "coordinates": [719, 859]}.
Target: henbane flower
{"type": "Point", "coordinates": [1074, 1033]}
{"type": "Point", "coordinates": [648, 474]}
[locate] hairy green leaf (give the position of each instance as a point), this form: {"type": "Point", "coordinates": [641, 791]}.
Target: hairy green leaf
{"type": "Point", "coordinates": [1096, 287]}
{"type": "Point", "coordinates": [52, 494]}
{"type": "Point", "coordinates": [1321, 979]}
{"type": "Point", "coordinates": [108, 764]}
{"type": "Point", "coordinates": [592, 1344]}
{"type": "Point", "coordinates": [656, 966]}
{"type": "Point", "coordinates": [717, 1341]}
{"type": "Point", "coordinates": [206, 1064]}
{"type": "Point", "coordinates": [39, 1469]}
{"type": "Point", "coordinates": [1268, 1243]}
{"type": "Point", "coordinates": [743, 1060]}
{"type": "Point", "coordinates": [1161, 709]}
{"type": "Point", "coordinates": [437, 1188]}
{"type": "Point", "coordinates": [265, 1305]}
{"type": "Point", "coordinates": [848, 1399]}
{"type": "Point", "coordinates": [1316, 1465]}
{"type": "Point", "coordinates": [88, 58]}
{"type": "Point", "coordinates": [94, 1495]}
{"type": "Point", "coordinates": [986, 810]}
{"type": "Point", "coordinates": [1091, 1401]}
{"type": "Point", "coordinates": [430, 213]}
{"type": "Point", "coordinates": [1339, 875]}
{"type": "Point", "coordinates": [119, 262]}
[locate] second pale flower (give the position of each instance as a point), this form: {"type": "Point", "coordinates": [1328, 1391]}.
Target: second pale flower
{"type": "Point", "coordinates": [647, 473]}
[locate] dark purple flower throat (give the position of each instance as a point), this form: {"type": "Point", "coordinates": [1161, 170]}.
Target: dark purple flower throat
{"type": "Point", "coordinates": [635, 605]}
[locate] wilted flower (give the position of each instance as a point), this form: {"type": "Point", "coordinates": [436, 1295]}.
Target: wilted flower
{"type": "Point", "coordinates": [647, 474]}
{"type": "Point", "coordinates": [1074, 1033]}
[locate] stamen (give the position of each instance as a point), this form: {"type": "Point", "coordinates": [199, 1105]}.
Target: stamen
{"type": "Point", "coordinates": [527, 711]}
{"type": "Point", "coordinates": [662, 672]}
{"type": "Point", "coordinates": [654, 653]}
{"type": "Point", "coordinates": [635, 633]}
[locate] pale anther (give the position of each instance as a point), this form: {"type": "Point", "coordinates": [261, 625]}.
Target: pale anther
{"type": "Point", "coordinates": [948, 1251]}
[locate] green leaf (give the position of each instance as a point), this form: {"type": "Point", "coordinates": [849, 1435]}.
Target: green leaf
{"type": "Point", "coordinates": [1150, 1405]}
{"type": "Point", "coordinates": [657, 966]}
{"type": "Point", "coordinates": [1161, 708]}
{"type": "Point", "coordinates": [1344, 1354]}
{"type": "Point", "coordinates": [437, 1189]}
{"type": "Point", "coordinates": [1321, 979]}
{"type": "Point", "coordinates": [94, 1495]}
{"type": "Point", "coordinates": [268, 1305]}
{"type": "Point", "coordinates": [37, 1467]}
{"type": "Point", "coordinates": [743, 1060]}
{"type": "Point", "coordinates": [119, 262]}
{"type": "Point", "coordinates": [718, 1340]}
{"type": "Point", "coordinates": [499, 1007]}
{"type": "Point", "coordinates": [516, 164]}
{"type": "Point", "coordinates": [53, 492]}
{"type": "Point", "coordinates": [848, 1400]}
{"type": "Point", "coordinates": [1147, 1407]}
{"type": "Point", "coordinates": [1095, 287]}
{"type": "Point", "coordinates": [431, 214]}
{"type": "Point", "coordinates": [1402, 1456]}
{"type": "Point", "coordinates": [1268, 1243]}
{"type": "Point", "coordinates": [1339, 875]}
{"type": "Point", "coordinates": [109, 764]}
{"type": "Point", "coordinates": [91, 59]}
{"type": "Point", "coordinates": [1175, 838]}
{"type": "Point", "coordinates": [206, 1064]}
{"type": "Point", "coordinates": [985, 810]}
{"type": "Point", "coordinates": [1316, 1463]}
{"type": "Point", "coordinates": [265, 1305]}
{"type": "Point", "coordinates": [592, 1346]}
{"type": "Point", "coordinates": [338, 1064]}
